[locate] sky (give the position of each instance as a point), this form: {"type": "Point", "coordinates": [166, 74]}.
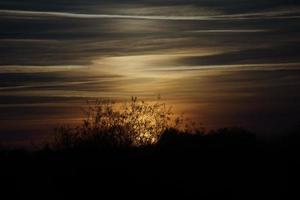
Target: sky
{"type": "Point", "coordinates": [222, 62]}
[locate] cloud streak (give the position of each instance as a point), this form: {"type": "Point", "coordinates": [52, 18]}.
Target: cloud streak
{"type": "Point", "coordinates": [248, 16]}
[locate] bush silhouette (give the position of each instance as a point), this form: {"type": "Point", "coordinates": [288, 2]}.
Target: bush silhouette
{"type": "Point", "coordinates": [107, 124]}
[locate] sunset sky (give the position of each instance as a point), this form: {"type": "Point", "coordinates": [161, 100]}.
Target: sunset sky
{"type": "Point", "coordinates": [222, 62]}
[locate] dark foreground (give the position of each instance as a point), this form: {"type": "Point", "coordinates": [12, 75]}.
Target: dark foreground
{"type": "Point", "coordinates": [220, 166]}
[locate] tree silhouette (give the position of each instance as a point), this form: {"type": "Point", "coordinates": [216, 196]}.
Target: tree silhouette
{"type": "Point", "coordinates": [108, 124]}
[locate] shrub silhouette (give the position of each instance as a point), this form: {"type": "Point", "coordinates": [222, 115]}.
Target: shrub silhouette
{"type": "Point", "coordinates": [135, 123]}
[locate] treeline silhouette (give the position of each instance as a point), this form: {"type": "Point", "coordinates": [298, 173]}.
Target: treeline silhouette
{"type": "Point", "coordinates": [142, 151]}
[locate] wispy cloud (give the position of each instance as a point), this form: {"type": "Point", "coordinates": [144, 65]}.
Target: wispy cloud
{"type": "Point", "coordinates": [248, 16]}
{"type": "Point", "coordinates": [230, 31]}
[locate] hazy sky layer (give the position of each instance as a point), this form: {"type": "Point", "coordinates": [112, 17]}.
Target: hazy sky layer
{"type": "Point", "coordinates": [223, 62]}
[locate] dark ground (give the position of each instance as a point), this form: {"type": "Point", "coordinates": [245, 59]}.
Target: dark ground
{"type": "Point", "coordinates": [229, 164]}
